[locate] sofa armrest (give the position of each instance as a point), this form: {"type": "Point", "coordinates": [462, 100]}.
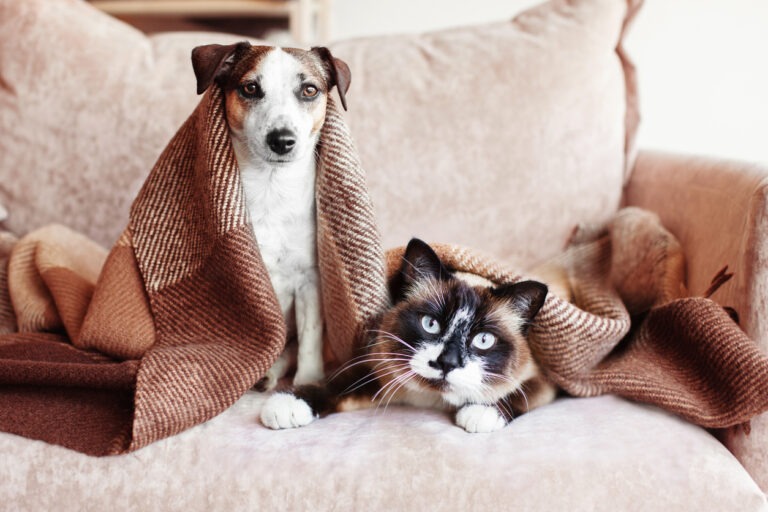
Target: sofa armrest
{"type": "Point", "coordinates": [719, 211]}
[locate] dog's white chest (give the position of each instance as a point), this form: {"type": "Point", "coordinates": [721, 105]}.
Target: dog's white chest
{"type": "Point", "coordinates": [281, 205]}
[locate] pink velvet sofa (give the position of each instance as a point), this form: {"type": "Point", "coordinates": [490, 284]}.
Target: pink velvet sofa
{"type": "Point", "coordinates": [501, 137]}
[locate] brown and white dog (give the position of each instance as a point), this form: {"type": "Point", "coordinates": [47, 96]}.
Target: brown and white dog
{"type": "Point", "coordinates": [275, 103]}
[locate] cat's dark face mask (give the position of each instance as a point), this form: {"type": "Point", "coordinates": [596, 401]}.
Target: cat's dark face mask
{"type": "Point", "coordinates": [460, 339]}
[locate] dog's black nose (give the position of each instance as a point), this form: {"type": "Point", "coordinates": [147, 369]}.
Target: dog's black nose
{"type": "Point", "coordinates": [281, 141]}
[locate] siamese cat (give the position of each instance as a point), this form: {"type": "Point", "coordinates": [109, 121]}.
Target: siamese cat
{"type": "Point", "coordinates": [449, 341]}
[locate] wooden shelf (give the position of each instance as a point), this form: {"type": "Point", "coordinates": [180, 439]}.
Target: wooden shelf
{"type": "Point", "coordinates": [196, 8]}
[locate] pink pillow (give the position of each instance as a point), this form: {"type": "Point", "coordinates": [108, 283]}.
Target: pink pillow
{"type": "Point", "coordinates": [501, 137]}
{"type": "Point", "coordinates": [87, 103]}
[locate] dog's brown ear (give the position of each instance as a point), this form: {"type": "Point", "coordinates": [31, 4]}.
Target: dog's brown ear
{"type": "Point", "coordinates": [338, 70]}
{"type": "Point", "coordinates": [213, 61]}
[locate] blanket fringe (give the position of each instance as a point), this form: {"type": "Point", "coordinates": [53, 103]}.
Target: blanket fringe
{"type": "Point", "coordinates": [722, 277]}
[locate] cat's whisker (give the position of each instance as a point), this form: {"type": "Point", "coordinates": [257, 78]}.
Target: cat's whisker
{"type": "Point", "coordinates": [375, 375]}
{"type": "Point", "coordinates": [518, 386]}
{"type": "Point", "coordinates": [386, 386]}
{"type": "Point", "coordinates": [411, 375]}
{"type": "Point", "coordinates": [504, 411]}
{"type": "Point", "coordinates": [525, 397]}
{"type": "Point", "coordinates": [392, 385]}
{"type": "Point", "coordinates": [370, 359]}
{"type": "Point", "coordinates": [394, 337]}
{"type": "Point", "coordinates": [500, 405]}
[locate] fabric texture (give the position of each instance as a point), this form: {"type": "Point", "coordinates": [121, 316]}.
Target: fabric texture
{"type": "Point", "coordinates": [183, 296]}
{"type": "Point", "coordinates": [684, 354]}
{"type": "Point", "coordinates": [599, 454]}
{"type": "Point", "coordinates": [500, 136]}
{"type": "Point", "coordinates": [717, 209]}
{"type": "Point", "coordinates": [120, 97]}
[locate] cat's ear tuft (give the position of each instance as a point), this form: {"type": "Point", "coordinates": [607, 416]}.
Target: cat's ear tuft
{"type": "Point", "coordinates": [527, 297]}
{"type": "Point", "coordinates": [420, 262]}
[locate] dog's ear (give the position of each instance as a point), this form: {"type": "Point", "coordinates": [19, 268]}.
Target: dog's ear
{"type": "Point", "coordinates": [213, 61]}
{"type": "Point", "coordinates": [338, 72]}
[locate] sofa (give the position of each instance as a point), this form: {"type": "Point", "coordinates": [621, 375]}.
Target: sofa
{"type": "Point", "coordinates": [503, 137]}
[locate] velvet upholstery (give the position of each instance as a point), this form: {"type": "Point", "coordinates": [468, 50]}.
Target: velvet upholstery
{"type": "Point", "coordinates": [87, 103]}
{"type": "Point", "coordinates": [467, 135]}
{"type": "Point", "coordinates": [600, 454]}
{"type": "Point", "coordinates": [503, 137]}
{"type": "Point", "coordinates": [718, 210]}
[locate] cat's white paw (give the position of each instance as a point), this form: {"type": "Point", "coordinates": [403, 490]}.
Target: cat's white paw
{"type": "Point", "coordinates": [283, 410]}
{"type": "Point", "coordinates": [479, 418]}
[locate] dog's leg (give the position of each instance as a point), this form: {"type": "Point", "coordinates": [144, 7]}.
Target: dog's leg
{"type": "Point", "coordinates": [275, 373]}
{"type": "Point", "coordinates": [309, 324]}
{"type": "Point", "coordinates": [283, 362]}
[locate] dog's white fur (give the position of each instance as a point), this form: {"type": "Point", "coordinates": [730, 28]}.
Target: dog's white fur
{"type": "Point", "coordinates": [280, 197]}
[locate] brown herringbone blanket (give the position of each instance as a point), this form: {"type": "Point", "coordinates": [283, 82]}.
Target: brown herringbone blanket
{"type": "Point", "coordinates": [182, 318]}
{"type": "Point", "coordinates": [108, 352]}
{"type": "Point", "coordinates": [627, 328]}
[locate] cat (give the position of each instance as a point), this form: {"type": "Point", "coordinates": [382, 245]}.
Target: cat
{"type": "Point", "coordinates": [449, 341]}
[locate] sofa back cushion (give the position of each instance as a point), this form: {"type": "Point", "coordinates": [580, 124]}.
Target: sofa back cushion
{"type": "Point", "coordinates": [87, 104]}
{"type": "Point", "coordinates": [502, 137]}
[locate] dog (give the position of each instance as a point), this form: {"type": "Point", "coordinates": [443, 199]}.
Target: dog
{"type": "Point", "coordinates": [275, 103]}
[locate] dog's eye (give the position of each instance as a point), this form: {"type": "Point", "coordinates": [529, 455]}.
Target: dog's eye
{"type": "Point", "coordinates": [251, 90]}
{"type": "Point", "coordinates": [309, 91]}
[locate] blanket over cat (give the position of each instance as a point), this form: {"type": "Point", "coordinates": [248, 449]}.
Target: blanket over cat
{"type": "Point", "coordinates": [629, 329]}
{"type": "Point", "coordinates": [182, 318]}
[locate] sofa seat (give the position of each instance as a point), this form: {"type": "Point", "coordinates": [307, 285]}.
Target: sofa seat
{"type": "Point", "coordinates": [597, 454]}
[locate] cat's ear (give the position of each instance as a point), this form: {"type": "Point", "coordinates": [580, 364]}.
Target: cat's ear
{"type": "Point", "coordinates": [420, 262]}
{"type": "Point", "coordinates": [526, 297]}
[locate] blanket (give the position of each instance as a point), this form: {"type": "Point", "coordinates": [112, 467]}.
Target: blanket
{"type": "Point", "coordinates": [109, 352]}
{"type": "Point", "coordinates": [620, 322]}
{"type": "Point", "coordinates": [106, 352]}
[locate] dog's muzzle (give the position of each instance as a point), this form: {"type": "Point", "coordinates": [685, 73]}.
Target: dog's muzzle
{"type": "Point", "coordinates": [281, 141]}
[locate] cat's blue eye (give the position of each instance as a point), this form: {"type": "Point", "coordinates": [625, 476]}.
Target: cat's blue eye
{"type": "Point", "coordinates": [430, 324]}
{"type": "Point", "coordinates": [483, 340]}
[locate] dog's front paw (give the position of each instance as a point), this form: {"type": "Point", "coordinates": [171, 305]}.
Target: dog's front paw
{"type": "Point", "coordinates": [284, 410]}
{"type": "Point", "coordinates": [479, 418]}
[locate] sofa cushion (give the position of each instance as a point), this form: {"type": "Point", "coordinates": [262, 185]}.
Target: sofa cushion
{"type": "Point", "coordinates": [87, 103]}
{"type": "Point", "coordinates": [502, 136]}
{"type": "Point", "coordinates": [600, 454]}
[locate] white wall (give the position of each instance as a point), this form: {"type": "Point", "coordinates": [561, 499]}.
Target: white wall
{"type": "Point", "coordinates": [354, 18]}
{"type": "Point", "coordinates": [703, 64]}
{"type": "Point", "coordinates": [703, 72]}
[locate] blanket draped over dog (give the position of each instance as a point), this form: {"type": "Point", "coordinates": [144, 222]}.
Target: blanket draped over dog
{"type": "Point", "coordinates": [106, 353]}
{"type": "Point", "coordinates": [182, 318]}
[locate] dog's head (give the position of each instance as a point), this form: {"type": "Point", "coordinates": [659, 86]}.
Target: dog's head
{"type": "Point", "coordinates": [275, 97]}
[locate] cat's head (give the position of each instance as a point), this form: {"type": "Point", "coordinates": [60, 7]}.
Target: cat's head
{"type": "Point", "coordinates": [466, 341]}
